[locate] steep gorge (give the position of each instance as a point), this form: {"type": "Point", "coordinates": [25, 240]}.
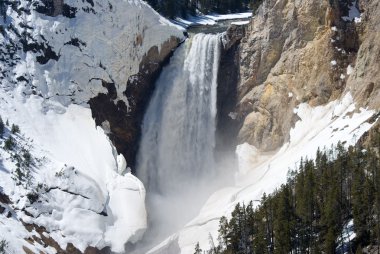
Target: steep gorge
{"type": "Point", "coordinates": [292, 54]}
{"type": "Point", "coordinates": [285, 89]}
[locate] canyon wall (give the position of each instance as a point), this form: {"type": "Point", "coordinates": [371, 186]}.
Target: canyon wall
{"type": "Point", "coordinates": [304, 51]}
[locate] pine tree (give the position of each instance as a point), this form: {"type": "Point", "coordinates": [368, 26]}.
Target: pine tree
{"type": "Point", "coordinates": [259, 240]}
{"type": "Point", "coordinates": [283, 223]}
{"type": "Point", "coordinates": [359, 199]}
{"type": "Point", "coordinates": [3, 10]}
{"type": "Point", "coordinates": [3, 246]}
{"type": "Point", "coordinates": [224, 232]}
{"type": "Point", "coordinates": [198, 249]}
{"type": "Point", "coordinates": [9, 143]}
{"type": "Point", "coordinates": [1, 127]}
{"type": "Point", "coordinates": [308, 213]}
{"type": "Point", "coordinates": [15, 129]}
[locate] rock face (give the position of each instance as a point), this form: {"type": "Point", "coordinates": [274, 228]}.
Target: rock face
{"type": "Point", "coordinates": [300, 51]}
{"type": "Point", "coordinates": [228, 77]}
{"type": "Point", "coordinates": [124, 123]}
{"type": "Point", "coordinates": [364, 82]}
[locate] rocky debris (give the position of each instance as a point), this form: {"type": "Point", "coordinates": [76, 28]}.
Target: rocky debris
{"type": "Point", "coordinates": [54, 8]}
{"type": "Point", "coordinates": [42, 238]}
{"type": "Point", "coordinates": [41, 235]}
{"type": "Point", "coordinates": [4, 199]}
{"type": "Point", "coordinates": [299, 51]}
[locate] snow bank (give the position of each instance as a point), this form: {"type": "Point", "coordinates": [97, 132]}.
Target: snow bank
{"type": "Point", "coordinates": [88, 203]}
{"type": "Point", "coordinates": [260, 173]}
{"type": "Point", "coordinates": [240, 23]}
{"type": "Point", "coordinates": [212, 19]}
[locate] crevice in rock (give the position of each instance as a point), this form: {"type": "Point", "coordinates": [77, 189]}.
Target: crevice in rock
{"type": "Point", "coordinates": [67, 191]}
{"type": "Point", "coordinates": [228, 124]}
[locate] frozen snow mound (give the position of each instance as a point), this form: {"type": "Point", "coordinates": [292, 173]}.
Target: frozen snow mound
{"type": "Point", "coordinates": [260, 173]}
{"type": "Point", "coordinates": [82, 197]}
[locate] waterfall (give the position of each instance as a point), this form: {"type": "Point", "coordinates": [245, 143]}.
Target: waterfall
{"type": "Point", "coordinates": [178, 132]}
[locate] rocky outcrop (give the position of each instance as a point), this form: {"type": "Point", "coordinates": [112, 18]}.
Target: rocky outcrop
{"type": "Point", "coordinates": [57, 7]}
{"type": "Point", "coordinates": [364, 82]}
{"type": "Point", "coordinates": [122, 122]}
{"type": "Point", "coordinates": [228, 77]}
{"type": "Point", "coordinates": [299, 51]}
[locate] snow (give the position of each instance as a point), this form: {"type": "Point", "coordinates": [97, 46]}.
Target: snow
{"type": "Point", "coordinates": [88, 195]}
{"type": "Point", "coordinates": [233, 115]}
{"type": "Point", "coordinates": [220, 17]}
{"type": "Point", "coordinates": [68, 136]}
{"type": "Point", "coordinates": [342, 76]}
{"type": "Point", "coordinates": [349, 70]}
{"type": "Point", "coordinates": [345, 240]}
{"type": "Point", "coordinates": [240, 23]}
{"type": "Point", "coordinates": [260, 173]}
{"type": "Point", "coordinates": [353, 13]}
{"type": "Point", "coordinates": [212, 19]}
{"type": "Point", "coordinates": [358, 20]}
{"type": "Point", "coordinates": [334, 28]}
{"type": "Point", "coordinates": [290, 95]}
{"type": "Point", "coordinates": [333, 62]}
{"type": "Point", "coordinates": [79, 70]}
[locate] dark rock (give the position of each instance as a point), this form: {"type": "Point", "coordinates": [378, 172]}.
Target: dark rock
{"type": "Point", "coordinates": [124, 122]}
{"type": "Point", "coordinates": [228, 76]}
{"type": "Point", "coordinates": [233, 36]}
{"type": "Point", "coordinates": [69, 11]}
{"type": "Point", "coordinates": [4, 199]}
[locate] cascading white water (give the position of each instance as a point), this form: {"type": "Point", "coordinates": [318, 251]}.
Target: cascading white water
{"type": "Point", "coordinates": [178, 133]}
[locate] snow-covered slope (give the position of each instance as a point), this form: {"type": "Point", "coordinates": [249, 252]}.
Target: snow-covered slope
{"type": "Point", "coordinates": [54, 59]}
{"type": "Point", "coordinates": [259, 173]}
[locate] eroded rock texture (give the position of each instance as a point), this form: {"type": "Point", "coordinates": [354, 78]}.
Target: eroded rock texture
{"type": "Point", "coordinates": [228, 77]}
{"type": "Point", "coordinates": [299, 51]}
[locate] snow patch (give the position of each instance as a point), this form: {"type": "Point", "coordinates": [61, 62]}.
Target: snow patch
{"type": "Point", "coordinates": [240, 23]}
{"type": "Point", "coordinates": [350, 69]}
{"type": "Point", "coordinates": [82, 186]}
{"type": "Point", "coordinates": [212, 19]}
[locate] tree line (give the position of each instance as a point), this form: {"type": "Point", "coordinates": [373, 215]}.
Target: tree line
{"type": "Point", "coordinates": [311, 213]}
{"type": "Point", "coordinates": [182, 8]}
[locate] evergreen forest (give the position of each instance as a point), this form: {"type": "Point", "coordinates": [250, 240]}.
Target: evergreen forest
{"type": "Point", "coordinates": [329, 205]}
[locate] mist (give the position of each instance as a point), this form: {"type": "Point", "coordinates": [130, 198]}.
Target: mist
{"type": "Point", "coordinates": [176, 160]}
